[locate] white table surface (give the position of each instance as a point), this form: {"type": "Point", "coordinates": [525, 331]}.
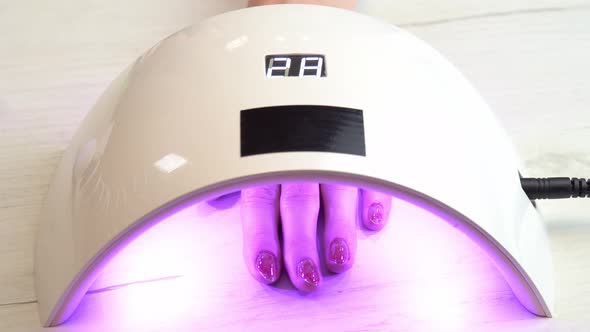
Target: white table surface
{"type": "Point", "coordinates": [529, 59]}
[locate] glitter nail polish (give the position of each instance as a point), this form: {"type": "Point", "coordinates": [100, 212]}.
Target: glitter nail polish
{"type": "Point", "coordinates": [267, 266]}
{"type": "Point", "coordinates": [375, 213]}
{"type": "Point", "coordinates": [308, 272]}
{"type": "Point", "coordinates": [339, 253]}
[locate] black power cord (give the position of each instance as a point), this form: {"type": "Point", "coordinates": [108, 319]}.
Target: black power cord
{"type": "Point", "coordinates": [553, 188]}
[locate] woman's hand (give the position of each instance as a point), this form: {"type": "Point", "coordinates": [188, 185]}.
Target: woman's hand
{"type": "Point", "coordinates": [295, 207]}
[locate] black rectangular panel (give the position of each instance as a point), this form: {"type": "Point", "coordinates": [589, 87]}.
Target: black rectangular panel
{"type": "Point", "coordinates": [302, 128]}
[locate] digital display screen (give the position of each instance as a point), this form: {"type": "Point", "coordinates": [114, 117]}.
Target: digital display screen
{"type": "Point", "coordinates": [295, 65]}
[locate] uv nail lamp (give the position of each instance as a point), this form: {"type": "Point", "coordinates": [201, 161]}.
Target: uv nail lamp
{"type": "Point", "coordinates": [285, 93]}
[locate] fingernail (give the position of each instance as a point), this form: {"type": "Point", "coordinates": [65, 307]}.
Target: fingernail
{"type": "Point", "coordinates": [375, 213]}
{"type": "Point", "coordinates": [266, 264]}
{"type": "Point", "coordinates": [339, 253]}
{"type": "Point", "coordinates": [308, 272]}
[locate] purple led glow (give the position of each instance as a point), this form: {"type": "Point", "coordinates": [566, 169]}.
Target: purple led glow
{"type": "Point", "coordinates": [187, 273]}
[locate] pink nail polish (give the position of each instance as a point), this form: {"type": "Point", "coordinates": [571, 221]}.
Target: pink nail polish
{"type": "Point", "coordinates": [375, 213]}
{"type": "Point", "coordinates": [307, 271]}
{"type": "Point", "coordinates": [339, 253]}
{"type": "Point", "coordinates": [267, 266]}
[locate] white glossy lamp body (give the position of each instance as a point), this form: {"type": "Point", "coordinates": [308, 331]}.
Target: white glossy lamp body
{"type": "Point", "coordinates": [167, 133]}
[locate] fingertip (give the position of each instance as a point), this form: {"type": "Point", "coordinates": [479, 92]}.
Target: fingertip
{"type": "Point", "coordinates": [339, 255]}
{"type": "Point", "coordinates": [264, 265]}
{"type": "Point", "coordinates": [267, 267]}
{"type": "Point", "coordinates": [307, 275]}
{"type": "Point", "coordinates": [373, 216]}
{"type": "Point", "coordinates": [375, 210]}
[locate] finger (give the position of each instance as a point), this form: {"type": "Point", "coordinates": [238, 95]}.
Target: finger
{"type": "Point", "coordinates": [260, 220]}
{"type": "Point", "coordinates": [340, 210]}
{"type": "Point", "coordinates": [300, 204]}
{"type": "Point", "coordinates": [375, 209]}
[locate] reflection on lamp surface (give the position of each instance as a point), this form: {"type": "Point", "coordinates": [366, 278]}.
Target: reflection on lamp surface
{"type": "Point", "coordinates": [170, 162]}
{"type": "Point", "coordinates": [187, 272]}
